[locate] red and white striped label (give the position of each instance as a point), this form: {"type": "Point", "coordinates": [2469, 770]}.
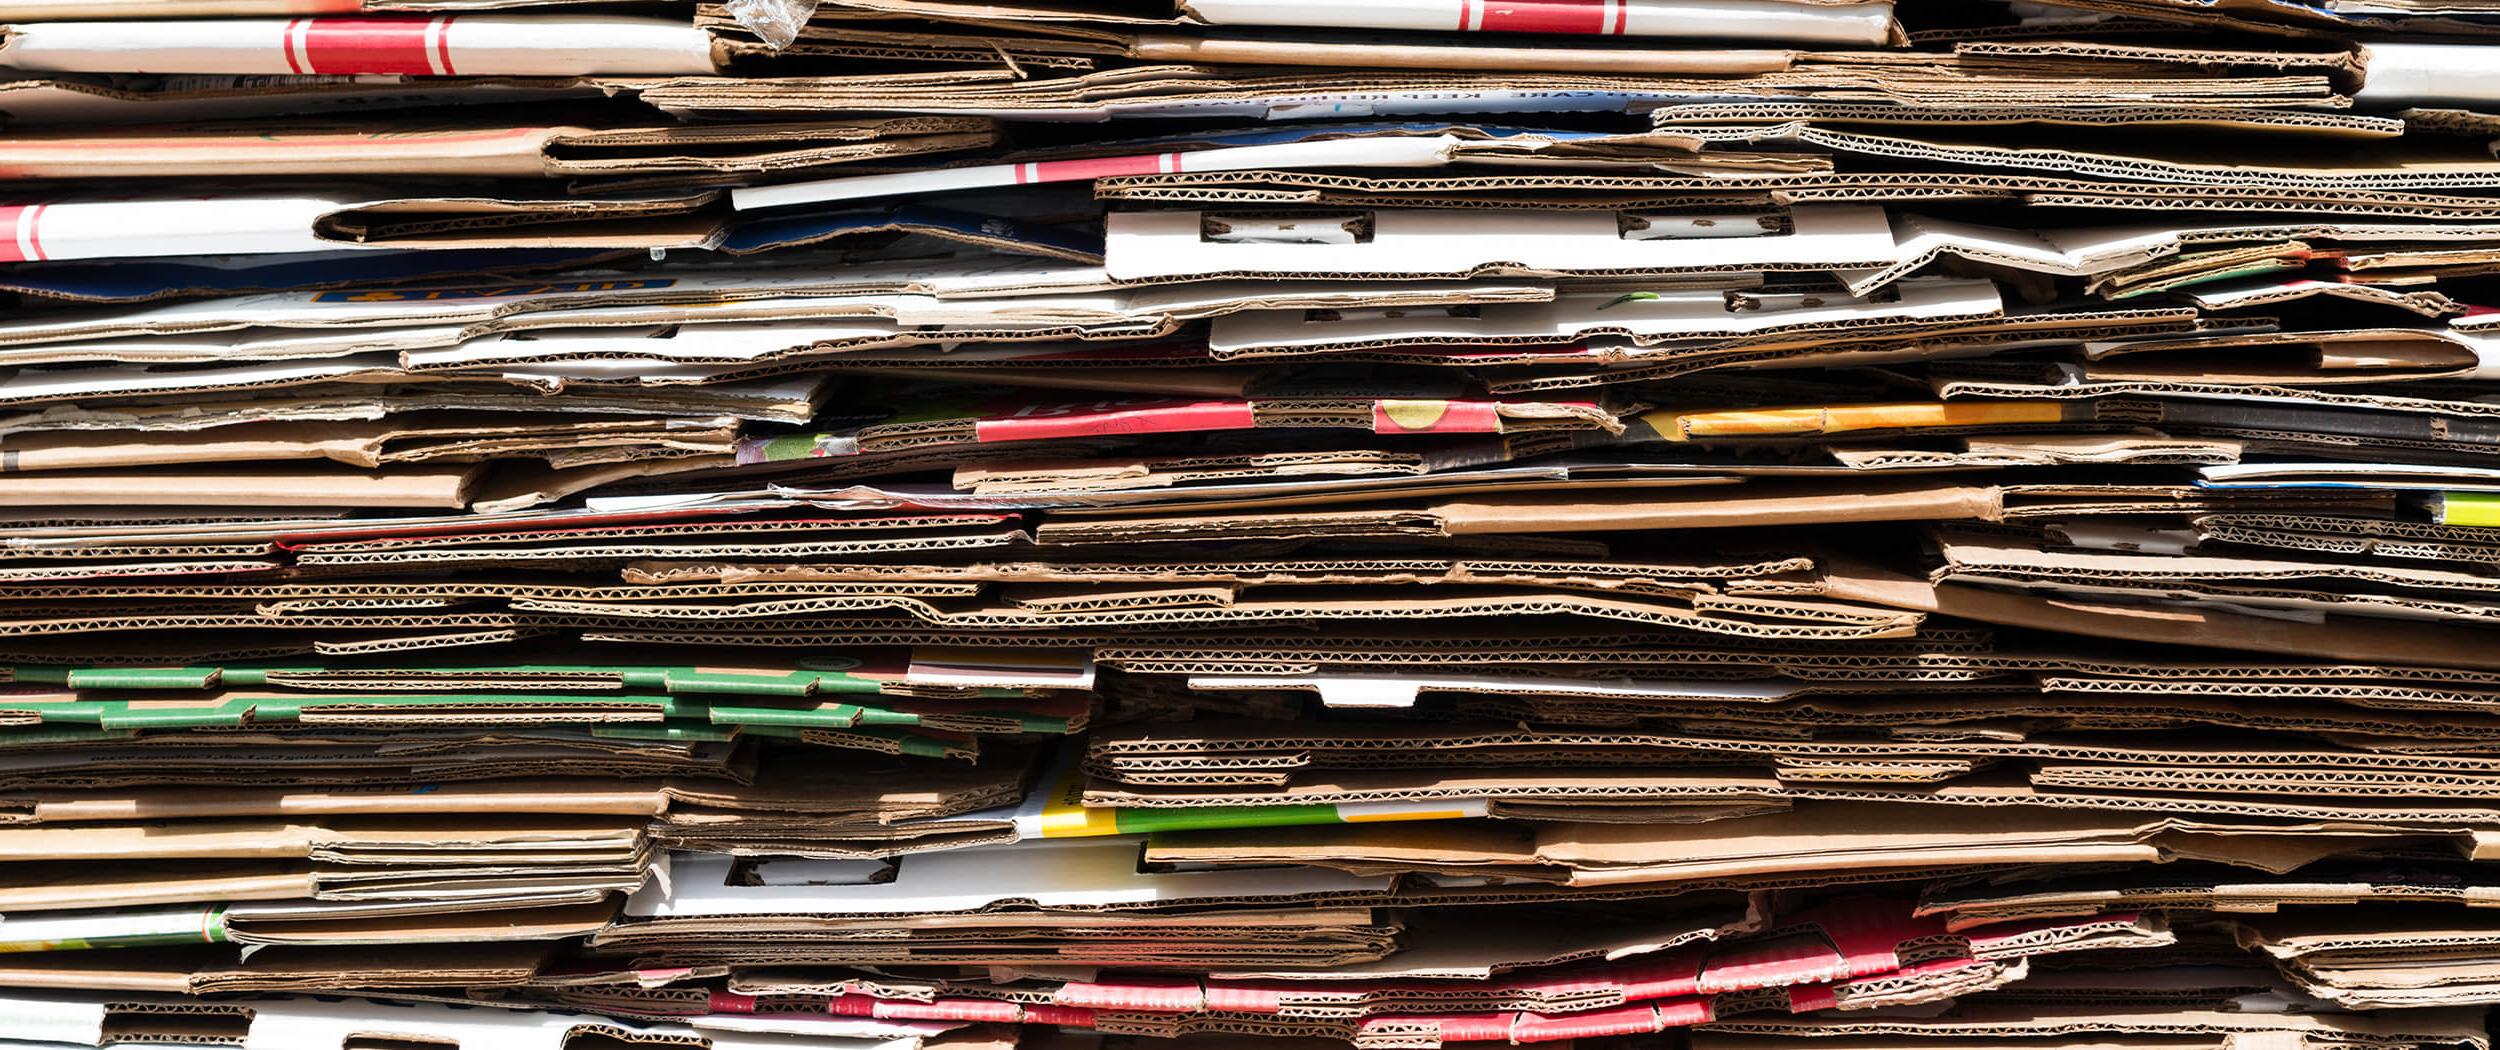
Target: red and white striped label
{"type": "Point", "coordinates": [1096, 168]}
{"type": "Point", "coordinates": [21, 234]}
{"type": "Point", "coordinates": [1588, 17]}
{"type": "Point", "coordinates": [413, 46]}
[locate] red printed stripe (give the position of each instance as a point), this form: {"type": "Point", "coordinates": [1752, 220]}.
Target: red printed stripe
{"type": "Point", "coordinates": [1167, 417]}
{"type": "Point", "coordinates": [30, 230]}
{"type": "Point", "coordinates": [1064, 1016]}
{"type": "Point", "coordinates": [1589, 17]}
{"type": "Point", "coordinates": [19, 240]}
{"type": "Point", "coordinates": [1096, 167]}
{"type": "Point", "coordinates": [442, 41]}
{"type": "Point", "coordinates": [416, 46]}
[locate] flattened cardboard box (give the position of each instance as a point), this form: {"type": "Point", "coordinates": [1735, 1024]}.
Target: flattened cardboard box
{"type": "Point", "coordinates": [93, 100]}
{"type": "Point", "coordinates": [2356, 639]}
{"type": "Point", "coordinates": [320, 925]}
{"type": "Point", "coordinates": [451, 838]}
{"type": "Point", "coordinates": [486, 150]}
{"type": "Point", "coordinates": [2329, 883]}
{"type": "Point", "coordinates": [1640, 577]}
{"type": "Point", "coordinates": [372, 445]}
{"type": "Point", "coordinates": [919, 671]}
{"type": "Point", "coordinates": [1775, 505]}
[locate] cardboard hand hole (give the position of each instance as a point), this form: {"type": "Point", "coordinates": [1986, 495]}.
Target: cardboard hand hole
{"type": "Point", "coordinates": [1632, 226]}
{"type": "Point", "coordinates": [396, 1042]}
{"type": "Point", "coordinates": [1339, 228]}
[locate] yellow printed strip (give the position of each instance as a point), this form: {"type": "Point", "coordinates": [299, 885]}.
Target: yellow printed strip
{"type": "Point", "coordinates": [1064, 815]}
{"type": "Point", "coordinates": [1829, 419]}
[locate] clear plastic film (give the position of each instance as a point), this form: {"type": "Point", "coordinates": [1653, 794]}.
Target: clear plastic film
{"type": "Point", "coordinates": [776, 22]}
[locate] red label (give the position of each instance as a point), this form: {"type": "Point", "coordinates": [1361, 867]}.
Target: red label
{"type": "Point", "coordinates": [20, 239]}
{"type": "Point", "coordinates": [1064, 1016]}
{"type": "Point", "coordinates": [1097, 167]}
{"type": "Point", "coordinates": [980, 1010]}
{"type": "Point", "coordinates": [1772, 964]}
{"type": "Point", "coordinates": [1104, 418]}
{"type": "Point", "coordinates": [1588, 17]}
{"type": "Point", "coordinates": [1811, 998]}
{"type": "Point", "coordinates": [1588, 1024]}
{"type": "Point", "coordinates": [415, 46]}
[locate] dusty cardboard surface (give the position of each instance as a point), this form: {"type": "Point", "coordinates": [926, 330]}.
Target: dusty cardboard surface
{"type": "Point", "coordinates": [923, 525]}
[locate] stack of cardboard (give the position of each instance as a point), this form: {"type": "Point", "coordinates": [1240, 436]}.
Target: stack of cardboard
{"type": "Point", "coordinates": [1249, 524]}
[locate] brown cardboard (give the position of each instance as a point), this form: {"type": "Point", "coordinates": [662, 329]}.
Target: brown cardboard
{"type": "Point", "coordinates": [1828, 836]}
{"type": "Point", "coordinates": [285, 968]}
{"type": "Point", "coordinates": [372, 445]}
{"type": "Point", "coordinates": [418, 487]}
{"type": "Point", "coordinates": [2408, 167]}
{"type": "Point", "coordinates": [346, 839]}
{"type": "Point", "coordinates": [528, 796]}
{"type": "Point", "coordinates": [1778, 505]}
{"type": "Point", "coordinates": [36, 887]}
{"type": "Point", "coordinates": [2315, 892]}
{"type": "Point", "coordinates": [2359, 640]}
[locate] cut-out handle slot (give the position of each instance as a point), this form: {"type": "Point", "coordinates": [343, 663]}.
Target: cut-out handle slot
{"type": "Point", "coordinates": [1338, 228]}
{"type": "Point", "coordinates": [1394, 313]}
{"type": "Point", "coordinates": [1779, 302]}
{"type": "Point", "coordinates": [799, 872]}
{"type": "Point", "coordinates": [1635, 226]}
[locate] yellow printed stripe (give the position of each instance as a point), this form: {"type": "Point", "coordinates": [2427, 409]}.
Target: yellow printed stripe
{"type": "Point", "coordinates": [1064, 815]}
{"type": "Point", "coordinates": [1403, 814]}
{"type": "Point", "coordinates": [1827, 419]}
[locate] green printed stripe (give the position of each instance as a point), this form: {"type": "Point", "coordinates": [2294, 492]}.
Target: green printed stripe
{"type": "Point", "coordinates": [1149, 821]}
